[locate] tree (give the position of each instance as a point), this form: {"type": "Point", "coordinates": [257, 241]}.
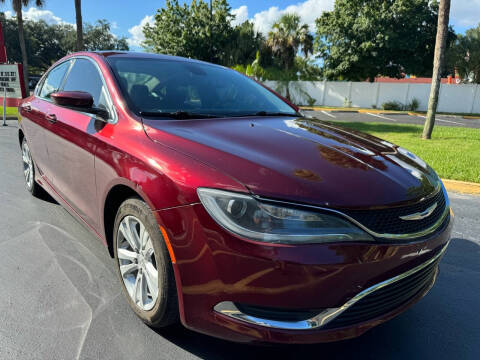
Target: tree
{"type": "Point", "coordinates": [440, 45]}
{"type": "Point", "coordinates": [99, 37]}
{"type": "Point", "coordinates": [78, 16]}
{"type": "Point", "coordinates": [287, 37]}
{"type": "Point", "coordinates": [363, 39]}
{"type": "Point", "coordinates": [464, 55]}
{"type": "Point", "coordinates": [192, 31]}
{"type": "Point", "coordinates": [46, 43]}
{"type": "Point", "coordinates": [243, 45]}
{"type": "Point", "coordinates": [17, 7]}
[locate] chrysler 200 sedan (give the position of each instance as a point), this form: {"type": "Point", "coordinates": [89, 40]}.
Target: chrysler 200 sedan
{"type": "Point", "coordinates": [227, 209]}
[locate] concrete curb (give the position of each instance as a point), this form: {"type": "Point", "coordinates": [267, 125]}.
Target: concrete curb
{"type": "Point", "coordinates": [462, 187]}
{"type": "Point", "coordinates": [382, 112]}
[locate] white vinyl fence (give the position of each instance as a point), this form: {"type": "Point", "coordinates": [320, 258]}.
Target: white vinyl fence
{"type": "Point", "coordinates": [463, 98]}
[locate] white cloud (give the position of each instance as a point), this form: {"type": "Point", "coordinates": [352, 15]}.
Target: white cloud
{"type": "Point", "coordinates": [465, 13]}
{"type": "Point", "coordinates": [241, 15]}
{"type": "Point", "coordinates": [308, 10]}
{"type": "Point", "coordinates": [36, 14]}
{"type": "Point", "coordinates": [136, 31]}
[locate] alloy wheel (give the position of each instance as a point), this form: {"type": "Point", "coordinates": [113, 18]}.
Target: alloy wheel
{"type": "Point", "coordinates": [27, 165]}
{"type": "Point", "coordinates": [136, 259]}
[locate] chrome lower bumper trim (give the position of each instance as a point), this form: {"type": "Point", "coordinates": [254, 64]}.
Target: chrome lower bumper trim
{"type": "Point", "coordinates": [229, 309]}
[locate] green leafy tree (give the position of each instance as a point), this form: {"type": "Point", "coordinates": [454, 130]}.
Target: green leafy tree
{"type": "Point", "coordinates": [287, 38]}
{"type": "Point", "coordinates": [464, 55]}
{"type": "Point", "coordinates": [360, 40]}
{"type": "Point", "coordinates": [194, 30]}
{"type": "Point", "coordinates": [243, 45]}
{"type": "Point", "coordinates": [17, 6]}
{"type": "Point", "coordinates": [99, 37]}
{"type": "Point", "coordinates": [46, 43]}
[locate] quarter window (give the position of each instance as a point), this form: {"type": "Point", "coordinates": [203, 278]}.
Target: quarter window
{"type": "Point", "coordinates": [54, 80]}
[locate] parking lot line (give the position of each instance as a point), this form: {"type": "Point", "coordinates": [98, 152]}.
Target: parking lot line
{"type": "Point", "coordinates": [442, 120]}
{"type": "Point", "coordinates": [328, 114]}
{"type": "Point", "coordinates": [381, 117]}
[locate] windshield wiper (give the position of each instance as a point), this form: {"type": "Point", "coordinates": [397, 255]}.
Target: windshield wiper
{"type": "Point", "coordinates": [266, 113]}
{"type": "Point", "coordinates": [180, 115]}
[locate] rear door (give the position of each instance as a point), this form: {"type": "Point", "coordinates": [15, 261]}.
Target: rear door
{"type": "Point", "coordinates": [72, 143]}
{"type": "Point", "coordinates": [34, 120]}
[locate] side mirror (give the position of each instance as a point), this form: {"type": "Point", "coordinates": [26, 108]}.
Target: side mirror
{"type": "Point", "coordinates": [80, 101]}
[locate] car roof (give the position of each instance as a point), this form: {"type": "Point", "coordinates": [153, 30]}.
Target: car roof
{"type": "Point", "coordinates": [144, 55]}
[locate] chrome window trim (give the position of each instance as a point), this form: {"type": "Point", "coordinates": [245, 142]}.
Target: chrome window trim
{"type": "Point", "coordinates": [111, 106]}
{"type": "Point", "coordinates": [412, 236]}
{"type": "Point", "coordinates": [229, 309]}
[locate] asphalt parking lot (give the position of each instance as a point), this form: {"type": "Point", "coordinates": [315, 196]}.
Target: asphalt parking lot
{"type": "Point", "coordinates": [60, 297]}
{"type": "Point", "coordinates": [441, 120]}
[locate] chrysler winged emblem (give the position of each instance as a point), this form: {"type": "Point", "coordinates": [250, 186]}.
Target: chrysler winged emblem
{"type": "Point", "coordinates": [420, 215]}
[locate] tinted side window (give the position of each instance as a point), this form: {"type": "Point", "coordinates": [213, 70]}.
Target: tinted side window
{"type": "Point", "coordinates": [84, 76]}
{"type": "Point", "coordinates": [54, 80]}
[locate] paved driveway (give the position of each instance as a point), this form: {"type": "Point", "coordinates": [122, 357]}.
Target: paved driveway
{"type": "Point", "coordinates": [60, 297]}
{"type": "Point", "coordinates": [441, 120]}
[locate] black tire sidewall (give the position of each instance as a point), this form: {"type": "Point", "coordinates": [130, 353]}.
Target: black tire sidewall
{"type": "Point", "coordinates": [165, 311]}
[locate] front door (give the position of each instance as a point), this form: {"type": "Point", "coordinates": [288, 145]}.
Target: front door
{"type": "Point", "coordinates": [72, 143]}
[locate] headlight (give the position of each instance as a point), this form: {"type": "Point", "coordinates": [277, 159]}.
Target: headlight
{"type": "Point", "coordinates": [249, 218]}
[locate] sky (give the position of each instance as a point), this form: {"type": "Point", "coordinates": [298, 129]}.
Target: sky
{"type": "Point", "coordinates": [128, 17]}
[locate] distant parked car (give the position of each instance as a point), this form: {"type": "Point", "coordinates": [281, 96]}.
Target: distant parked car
{"type": "Point", "coordinates": [33, 81]}
{"type": "Point", "coordinates": [227, 209]}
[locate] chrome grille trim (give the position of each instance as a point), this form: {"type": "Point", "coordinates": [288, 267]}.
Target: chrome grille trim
{"type": "Point", "coordinates": [409, 236]}
{"type": "Point", "coordinates": [229, 309]}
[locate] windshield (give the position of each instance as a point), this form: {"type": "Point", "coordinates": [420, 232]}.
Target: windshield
{"type": "Point", "coordinates": [153, 86]}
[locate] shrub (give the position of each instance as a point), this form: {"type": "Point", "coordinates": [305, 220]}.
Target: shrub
{"type": "Point", "coordinates": [392, 105]}
{"type": "Point", "coordinates": [311, 101]}
{"type": "Point", "coordinates": [414, 105]}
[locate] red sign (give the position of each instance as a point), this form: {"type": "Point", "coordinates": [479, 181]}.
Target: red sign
{"type": "Point", "coordinates": [3, 50]}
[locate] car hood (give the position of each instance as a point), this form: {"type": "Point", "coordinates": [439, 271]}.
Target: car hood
{"type": "Point", "coordinates": [301, 159]}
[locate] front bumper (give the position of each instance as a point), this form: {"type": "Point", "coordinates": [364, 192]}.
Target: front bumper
{"type": "Point", "coordinates": [216, 270]}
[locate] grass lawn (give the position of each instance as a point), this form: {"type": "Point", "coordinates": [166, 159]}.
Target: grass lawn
{"type": "Point", "coordinates": [453, 152]}
{"type": "Point", "coordinates": [10, 111]}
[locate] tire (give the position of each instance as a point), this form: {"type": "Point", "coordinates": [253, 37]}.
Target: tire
{"type": "Point", "coordinates": [138, 281]}
{"type": "Point", "coordinates": [29, 169]}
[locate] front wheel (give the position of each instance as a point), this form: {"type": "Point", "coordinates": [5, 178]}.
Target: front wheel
{"type": "Point", "coordinates": [144, 265]}
{"type": "Point", "coordinates": [29, 169]}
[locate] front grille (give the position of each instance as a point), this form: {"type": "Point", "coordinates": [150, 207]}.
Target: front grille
{"type": "Point", "coordinates": [387, 299]}
{"type": "Point", "coordinates": [387, 221]}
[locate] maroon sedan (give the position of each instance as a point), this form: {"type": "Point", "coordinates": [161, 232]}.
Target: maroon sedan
{"type": "Point", "coordinates": [226, 208]}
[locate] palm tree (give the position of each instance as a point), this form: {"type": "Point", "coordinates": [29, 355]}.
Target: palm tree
{"type": "Point", "coordinates": [78, 13]}
{"type": "Point", "coordinates": [438, 62]}
{"type": "Point", "coordinates": [17, 7]}
{"type": "Point", "coordinates": [287, 37]}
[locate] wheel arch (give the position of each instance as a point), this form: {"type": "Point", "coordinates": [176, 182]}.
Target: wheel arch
{"type": "Point", "coordinates": [21, 136]}
{"type": "Point", "coordinates": [115, 197]}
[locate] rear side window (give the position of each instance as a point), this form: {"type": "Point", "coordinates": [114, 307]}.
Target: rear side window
{"type": "Point", "coordinates": [84, 76]}
{"type": "Point", "coordinates": [54, 80]}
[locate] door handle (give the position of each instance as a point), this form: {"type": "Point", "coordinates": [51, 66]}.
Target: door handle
{"type": "Point", "coordinates": [52, 118]}
{"type": "Point", "coordinates": [27, 107]}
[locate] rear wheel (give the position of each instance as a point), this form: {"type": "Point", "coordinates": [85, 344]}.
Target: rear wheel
{"type": "Point", "coordinates": [144, 265]}
{"type": "Point", "coordinates": [29, 169]}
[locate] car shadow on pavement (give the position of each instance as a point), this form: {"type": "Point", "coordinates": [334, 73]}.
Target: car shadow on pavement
{"type": "Point", "coordinates": [420, 332]}
{"type": "Point", "coordinates": [43, 195]}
